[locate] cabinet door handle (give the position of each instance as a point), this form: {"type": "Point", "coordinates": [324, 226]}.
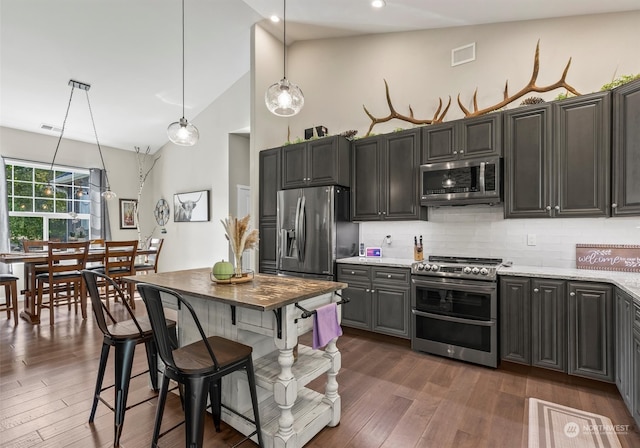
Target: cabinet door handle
{"type": "Point", "coordinates": [535, 290]}
{"type": "Point", "coordinates": [548, 207]}
{"type": "Point", "coordinates": [557, 207]}
{"type": "Point", "coordinates": [372, 291]}
{"type": "Point", "coordinates": [379, 213]}
{"type": "Point", "coordinates": [455, 152]}
{"type": "Point", "coordinates": [389, 276]}
{"type": "Point", "coordinates": [353, 273]}
{"type": "Point", "coordinates": [367, 290]}
{"type": "Point", "coordinates": [572, 294]}
{"type": "Point", "coordinates": [614, 205]}
{"type": "Point", "coordinates": [462, 151]}
{"type": "Point", "coordinates": [384, 213]}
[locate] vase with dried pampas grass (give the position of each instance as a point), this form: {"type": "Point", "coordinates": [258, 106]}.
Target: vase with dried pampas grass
{"type": "Point", "coordinates": [240, 238]}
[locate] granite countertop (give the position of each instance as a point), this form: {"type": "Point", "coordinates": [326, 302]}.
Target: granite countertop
{"type": "Point", "coordinates": [627, 281]}
{"type": "Point", "coordinates": [264, 292]}
{"type": "Point", "coordinates": [383, 261]}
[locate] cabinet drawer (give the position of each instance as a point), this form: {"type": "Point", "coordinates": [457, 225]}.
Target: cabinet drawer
{"type": "Point", "coordinates": [391, 275]}
{"type": "Point", "coordinates": [353, 272]}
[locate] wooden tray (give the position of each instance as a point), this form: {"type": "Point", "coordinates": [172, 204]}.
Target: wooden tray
{"type": "Point", "coordinates": [246, 277]}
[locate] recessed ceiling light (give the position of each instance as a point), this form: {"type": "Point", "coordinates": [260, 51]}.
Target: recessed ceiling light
{"type": "Point", "coordinates": [378, 3]}
{"type": "Point", "coordinates": [275, 19]}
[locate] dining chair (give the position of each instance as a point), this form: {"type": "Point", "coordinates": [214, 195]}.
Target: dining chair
{"type": "Point", "coordinates": [63, 279]}
{"type": "Point", "coordinates": [198, 366]}
{"type": "Point", "coordinates": [34, 245]}
{"type": "Point", "coordinates": [122, 331]}
{"type": "Point", "coordinates": [119, 261]}
{"type": "Point", "coordinates": [151, 260]}
{"type": "Point", "coordinates": [10, 283]}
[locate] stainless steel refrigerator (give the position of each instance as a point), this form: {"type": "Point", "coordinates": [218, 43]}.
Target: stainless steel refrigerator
{"type": "Point", "coordinates": [314, 230]}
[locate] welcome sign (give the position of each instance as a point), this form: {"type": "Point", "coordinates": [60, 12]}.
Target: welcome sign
{"type": "Point", "coordinates": [608, 257]}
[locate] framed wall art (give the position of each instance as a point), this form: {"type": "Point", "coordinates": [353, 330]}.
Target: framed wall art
{"type": "Point", "coordinates": [128, 214]}
{"type": "Point", "coordinates": [191, 207]}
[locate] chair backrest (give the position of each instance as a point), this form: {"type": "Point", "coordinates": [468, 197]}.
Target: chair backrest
{"type": "Point", "coordinates": [67, 257]}
{"type": "Point", "coordinates": [100, 310]}
{"type": "Point", "coordinates": [152, 296]}
{"type": "Point", "coordinates": [34, 245]}
{"type": "Point", "coordinates": [156, 245]}
{"type": "Point", "coordinates": [120, 257]}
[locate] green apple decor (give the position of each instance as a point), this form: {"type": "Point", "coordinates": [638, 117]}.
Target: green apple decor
{"type": "Point", "coordinates": [223, 270]}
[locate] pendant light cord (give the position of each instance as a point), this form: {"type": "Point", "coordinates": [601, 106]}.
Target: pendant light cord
{"type": "Point", "coordinates": [64, 123]}
{"type": "Point", "coordinates": [182, 58]}
{"type": "Point", "coordinates": [284, 41]}
{"type": "Point", "coordinates": [93, 123]}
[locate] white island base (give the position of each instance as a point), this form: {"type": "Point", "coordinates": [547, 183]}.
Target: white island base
{"type": "Point", "coordinates": [290, 413]}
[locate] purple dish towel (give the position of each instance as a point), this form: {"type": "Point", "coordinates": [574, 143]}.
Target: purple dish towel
{"type": "Point", "coordinates": [325, 325]}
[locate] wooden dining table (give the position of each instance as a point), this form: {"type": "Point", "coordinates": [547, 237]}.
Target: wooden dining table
{"type": "Point", "coordinates": [33, 259]}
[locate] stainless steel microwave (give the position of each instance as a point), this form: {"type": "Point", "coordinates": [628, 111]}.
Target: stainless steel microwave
{"type": "Point", "coordinates": [461, 182]}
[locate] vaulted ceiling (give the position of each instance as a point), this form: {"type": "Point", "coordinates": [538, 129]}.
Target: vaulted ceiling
{"type": "Point", "coordinates": [130, 52]}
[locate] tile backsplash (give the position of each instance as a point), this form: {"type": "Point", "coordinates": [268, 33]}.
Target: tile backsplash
{"type": "Point", "coordinates": [482, 231]}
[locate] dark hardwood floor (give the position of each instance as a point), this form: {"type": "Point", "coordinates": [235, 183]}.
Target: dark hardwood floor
{"type": "Point", "coordinates": [391, 397]}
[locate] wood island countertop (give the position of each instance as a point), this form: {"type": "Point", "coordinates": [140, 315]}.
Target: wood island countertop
{"type": "Point", "coordinates": [264, 293]}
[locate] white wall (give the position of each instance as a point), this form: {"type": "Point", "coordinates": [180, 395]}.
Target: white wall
{"type": "Point", "coordinates": [339, 76]}
{"type": "Point", "coordinates": [204, 166]}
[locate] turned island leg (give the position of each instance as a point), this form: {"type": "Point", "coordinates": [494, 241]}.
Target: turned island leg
{"type": "Point", "coordinates": [331, 396]}
{"type": "Point", "coordinates": [285, 389]}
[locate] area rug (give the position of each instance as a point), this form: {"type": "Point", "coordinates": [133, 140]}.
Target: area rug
{"type": "Point", "coordinates": [552, 425]}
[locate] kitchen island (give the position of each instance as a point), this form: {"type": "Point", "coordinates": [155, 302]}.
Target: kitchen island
{"type": "Point", "coordinates": [264, 313]}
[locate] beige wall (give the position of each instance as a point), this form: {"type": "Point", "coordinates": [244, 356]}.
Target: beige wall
{"type": "Point", "coordinates": [121, 165]}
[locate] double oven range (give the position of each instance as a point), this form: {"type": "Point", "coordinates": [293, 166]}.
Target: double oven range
{"type": "Point", "coordinates": [454, 308]}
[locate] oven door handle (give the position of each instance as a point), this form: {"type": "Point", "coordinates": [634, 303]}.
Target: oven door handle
{"type": "Point", "coordinates": [459, 320]}
{"type": "Point", "coordinates": [490, 288]}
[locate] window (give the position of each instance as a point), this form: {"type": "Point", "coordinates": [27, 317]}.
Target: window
{"type": "Point", "coordinates": [62, 215]}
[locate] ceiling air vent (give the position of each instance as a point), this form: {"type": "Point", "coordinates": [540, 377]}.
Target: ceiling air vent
{"type": "Point", "coordinates": [464, 54]}
{"type": "Point", "coordinates": [50, 128]}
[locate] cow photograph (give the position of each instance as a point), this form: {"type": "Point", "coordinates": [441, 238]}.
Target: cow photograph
{"type": "Point", "coordinates": [191, 207]}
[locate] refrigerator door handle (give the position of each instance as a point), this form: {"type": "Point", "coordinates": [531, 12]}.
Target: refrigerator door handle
{"type": "Point", "coordinates": [303, 229]}
{"type": "Point", "coordinates": [297, 228]}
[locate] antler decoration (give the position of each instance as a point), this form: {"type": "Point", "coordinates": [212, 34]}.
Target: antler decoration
{"type": "Point", "coordinates": [437, 117]}
{"type": "Point", "coordinates": [531, 87]}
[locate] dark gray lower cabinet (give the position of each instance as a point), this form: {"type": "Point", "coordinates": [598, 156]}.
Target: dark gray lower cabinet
{"type": "Point", "coordinates": [267, 248]}
{"type": "Point", "coordinates": [636, 371]}
{"type": "Point", "coordinates": [624, 345]}
{"type": "Point", "coordinates": [557, 324]}
{"type": "Point", "coordinates": [548, 324]}
{"type": "Point", "coordinates": [379, 298]}
{"type": "Point", "coordinates": [515, 319]}
{"type": "Point", "coordinates": [590, 330]}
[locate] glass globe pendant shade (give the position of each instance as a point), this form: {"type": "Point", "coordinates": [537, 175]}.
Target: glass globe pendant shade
{"type": "Point", "coordinates": [284, 98]}
{"type": "Point", "coordinates": [183, 133]}
{"type": "Point", "coordinates": [108, 194]}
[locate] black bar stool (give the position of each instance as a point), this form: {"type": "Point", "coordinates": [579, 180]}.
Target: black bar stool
{"type": "Point", "coordinates": [199, 367]}
{"type": "Point", "coordinates": [10, 283]}
{"type": "Point", "coordinates": [123, 335]}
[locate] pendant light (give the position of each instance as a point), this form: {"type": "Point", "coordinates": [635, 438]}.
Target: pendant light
{"type": "Point", "coordinates": [182, 132]}
{"type": "Point", "coordinates": [284, 98]}
{"type": "Point", "coordinates": [49, 189]}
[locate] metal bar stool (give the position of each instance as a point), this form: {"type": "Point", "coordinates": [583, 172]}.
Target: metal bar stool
{"type": "Point", "coordinates": [123, 335]}
{"type": "Point", "coordinates": [199, 367]}
{"type": "Point", "coordinates": [10, 283]}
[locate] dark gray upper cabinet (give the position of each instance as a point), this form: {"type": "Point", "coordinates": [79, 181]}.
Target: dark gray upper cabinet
{"type": "Point", "coordinates": [462, 139]}
{"type": "Point", "coordinates": [557, 158]}
{"type": "Point", "coordinates": [269, 183]}
{"type": "Point", "coordinates": [385, 177]}
{"type": "Point", "coordinates": [318, 162]}
{"type": "Point", "coordinates": [527, 161]}
{"type": "Point", "coordinates": [582, 137]}
{"type": "Point", "coordinates": [590, 334]}
{"type": "Point", "coordinates": [548, 324]}
{"type": "Point", "coordinates": [626, 150]}
{"type": "Point", "coordinates": [515, 319]}
{"type": "Point", "coordinates": [624, 315]}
